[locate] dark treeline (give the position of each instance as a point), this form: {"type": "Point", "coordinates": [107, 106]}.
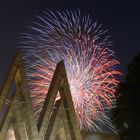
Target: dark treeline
{"type": "Point", "coordinates": [126, 114]}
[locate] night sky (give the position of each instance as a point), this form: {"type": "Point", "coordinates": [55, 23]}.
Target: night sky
{"type": "Point", "coordinates": [122, 18]}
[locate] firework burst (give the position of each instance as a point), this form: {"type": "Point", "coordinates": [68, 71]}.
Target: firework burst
{"type": "Point", "coordinates": [90, 64]}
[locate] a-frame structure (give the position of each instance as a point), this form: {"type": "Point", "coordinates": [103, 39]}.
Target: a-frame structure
{"type": "Point", "coordinates": [57, 120]}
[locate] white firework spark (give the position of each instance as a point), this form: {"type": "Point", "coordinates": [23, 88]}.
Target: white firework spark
{"type": "Point", "coordinates": [90, 64]}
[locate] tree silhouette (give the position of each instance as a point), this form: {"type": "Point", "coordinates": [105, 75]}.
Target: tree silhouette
{"type": "Point", "coordinates": [126, 114]}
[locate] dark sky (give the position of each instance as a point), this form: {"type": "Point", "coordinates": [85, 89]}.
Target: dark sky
{"type": "Point", "coordinates": [122, 18]}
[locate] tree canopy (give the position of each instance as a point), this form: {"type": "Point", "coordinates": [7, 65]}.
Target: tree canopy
{"type": "Point", "coordinates": [126, 114]}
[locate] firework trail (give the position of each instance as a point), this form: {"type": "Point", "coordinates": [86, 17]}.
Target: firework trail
{"type": "Point", "coordinates": [90, 64]}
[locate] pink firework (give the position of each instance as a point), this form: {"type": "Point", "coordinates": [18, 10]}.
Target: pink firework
{"type": "Point", "coordinates": [90, 65]}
